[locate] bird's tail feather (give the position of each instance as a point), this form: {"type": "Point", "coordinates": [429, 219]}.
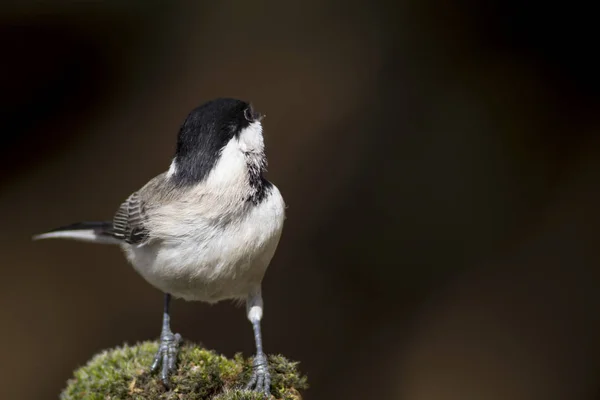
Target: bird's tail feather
{"type": "Point", "coordinates": [94, 232]}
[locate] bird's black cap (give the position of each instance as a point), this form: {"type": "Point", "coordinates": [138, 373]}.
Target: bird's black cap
{"type": "Point", "coordinates": [206, 130]}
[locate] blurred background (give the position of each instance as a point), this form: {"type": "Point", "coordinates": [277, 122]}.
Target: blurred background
{"type": "Point", "coordinates": [440, 161]}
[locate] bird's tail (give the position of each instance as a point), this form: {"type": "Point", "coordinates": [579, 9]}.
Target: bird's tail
{"type": "Point", "coordinates": [93, 232]}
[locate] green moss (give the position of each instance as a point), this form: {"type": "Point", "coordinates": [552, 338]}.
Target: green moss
{"type": "Point", "coordinates": [122, 373]}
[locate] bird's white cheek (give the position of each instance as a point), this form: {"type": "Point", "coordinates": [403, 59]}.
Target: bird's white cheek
{"type": "Point", "coordinates": [230, 169]}
{"type": "Point", "coordinates": [251, 138]}
{"type": "Point", "coordinates": [172, 169]}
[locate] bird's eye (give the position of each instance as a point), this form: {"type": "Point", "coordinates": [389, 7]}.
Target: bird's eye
{"type": "Point", "coordinates": [249, 114]}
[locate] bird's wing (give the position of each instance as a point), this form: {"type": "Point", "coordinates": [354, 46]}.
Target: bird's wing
{"type": "Point", "coordinates": [128, 222]}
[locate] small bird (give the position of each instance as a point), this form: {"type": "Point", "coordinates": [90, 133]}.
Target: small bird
{"type": "Point", "coordinates": [205, 230]}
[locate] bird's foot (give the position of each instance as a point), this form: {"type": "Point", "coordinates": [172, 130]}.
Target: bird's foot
{"type": "Point", "coordinates": [260, 381]}
{"type": "Point", "coordinates": [166, 356]}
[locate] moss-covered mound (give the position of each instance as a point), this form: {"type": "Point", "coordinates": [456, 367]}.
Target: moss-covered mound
{"type": "Point", "coordinates": [123, 373]}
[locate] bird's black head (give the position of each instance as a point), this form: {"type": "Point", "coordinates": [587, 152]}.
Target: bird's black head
{"type": "Point", "coordinates": [205, 132]}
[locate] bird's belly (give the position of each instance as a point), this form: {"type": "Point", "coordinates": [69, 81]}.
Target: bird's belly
{"type": "Point", "coordinates": [207, 273]}
{"type": "Point", "coordinates": [212, 264]}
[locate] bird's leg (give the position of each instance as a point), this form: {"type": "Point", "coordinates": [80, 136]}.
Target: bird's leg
{"type": "Point", "coordinates": [166, 356]}
{"type": "Point", "coordinates": [260, 380]}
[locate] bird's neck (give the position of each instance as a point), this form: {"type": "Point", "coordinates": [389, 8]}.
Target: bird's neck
{"type": "Point", "coordinates": [239, 173]}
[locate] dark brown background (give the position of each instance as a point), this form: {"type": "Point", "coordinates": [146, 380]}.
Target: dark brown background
{"type": "Point", "coordinates": [440, 162]}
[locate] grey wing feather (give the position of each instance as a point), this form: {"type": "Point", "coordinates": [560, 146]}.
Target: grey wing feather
{"type": "Point", "coordinates": [128, 223]}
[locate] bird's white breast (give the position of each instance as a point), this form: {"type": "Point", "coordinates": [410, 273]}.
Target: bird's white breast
{"type": "Point", "coordinates": [210, 252]}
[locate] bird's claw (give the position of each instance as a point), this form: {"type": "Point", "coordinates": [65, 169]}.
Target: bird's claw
{"type": "Point", "coordinates": [260, 381]}
{"type": "Point", "coordinates": [166, 356]}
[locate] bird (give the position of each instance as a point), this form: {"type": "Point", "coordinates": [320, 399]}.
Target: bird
{"type": "Point", "coordinates": [206, 229]}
